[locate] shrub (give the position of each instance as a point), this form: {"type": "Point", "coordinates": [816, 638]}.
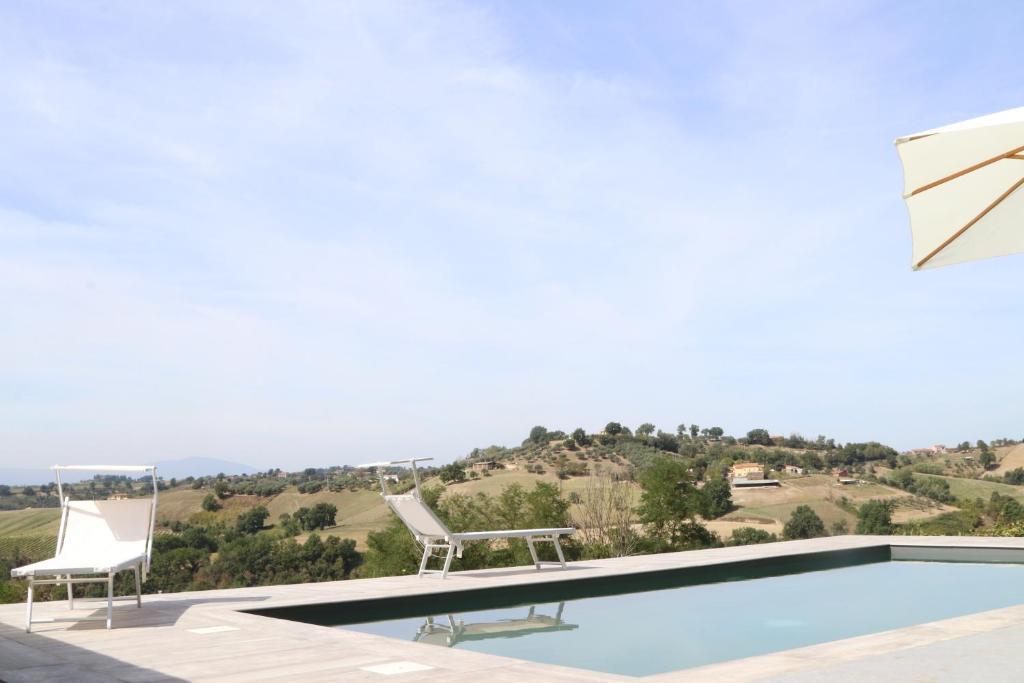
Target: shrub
{"type": "Point", "coordinates": [749, 535]}
{"type": "Point", "coordinates": [803, 523]}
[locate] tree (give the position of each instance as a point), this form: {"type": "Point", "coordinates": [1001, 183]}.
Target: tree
{"type": "Point", "coordinates": [538, 435]}
{"type": "Point", "coordinates": [613, 428]}
{"type": "Point", "coordinates": [875, 517]}
{"type": "Point", "coordinates": [5, 490]}
{"type": "Point", "coordinates": [221, 489]}
{"type": "Point", "coordinates": [645, 430]}
{"type": "Point", "coordinates": [759, 436]}
{"type": "Point", "coordinates": [320, 516]}
{"type": "Point", "coordinates": [210, 503]}
{"type": "Point", "coordinates": [452, 473]}
{"type": "Point", "coordinates": [803, 523]}
{"type": "Point", "coordinates": [579, 436]}
{"type": "Point", "coordinates": [28, 491]}
{"type": "Point", "coordinates": [669, 504]}
{"type": "Point", "coordinates": [604, 516]}
{"type": "Point", "coordinates": [717, 498]}
{"type": "Point", "coordinates": [251, 521]}
{"type": "Point", "coordinates": [982, 445]}
{"type": "Point", "coordinates": [716, 432]}
{"type": "Point", "coordinates": [987, 458]}
{"type": "Point", "coordinates": [1015, 476]}
{"type": "Point", "coordinates": [694, 431]}
{"type": "Point", "coordinates": [682, 429]}
{"type": "Point", "coordinates": [840, 528]}
{"type": "Point", "coordinates": [666, 442]}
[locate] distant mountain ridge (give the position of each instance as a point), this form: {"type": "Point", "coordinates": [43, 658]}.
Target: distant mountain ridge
{"type": "Point", "coordinates": [167, 469]}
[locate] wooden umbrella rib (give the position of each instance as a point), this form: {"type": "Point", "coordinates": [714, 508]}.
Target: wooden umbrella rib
{"type": "Point", "coordinates": [1013, 188]}
{"type": "Point", "coordinates": [1012, 154]}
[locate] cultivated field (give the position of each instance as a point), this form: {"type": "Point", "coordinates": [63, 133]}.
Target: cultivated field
{"type": "Point", "coordinates": [31, 532]}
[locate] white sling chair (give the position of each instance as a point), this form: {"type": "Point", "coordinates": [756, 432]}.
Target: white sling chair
{"type": "Point", "coordinates": [431, 533]}
{"type": "Point", "coordinates": [96, 537]}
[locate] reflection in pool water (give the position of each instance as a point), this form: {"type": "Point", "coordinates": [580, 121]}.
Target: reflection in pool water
{"type": "Point", "coordinates": [451, 630]}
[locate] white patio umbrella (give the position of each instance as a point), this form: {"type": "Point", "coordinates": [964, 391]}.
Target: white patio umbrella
{"type": "Point", "coordinates": [963, 186]}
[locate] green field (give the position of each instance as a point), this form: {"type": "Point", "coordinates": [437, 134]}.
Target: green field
{"type": "Point", "coordinates": [969, 489]}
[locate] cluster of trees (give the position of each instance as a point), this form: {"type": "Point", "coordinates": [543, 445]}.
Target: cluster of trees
{"type": "Point", "coordinates": [271, 483]}
{"type": "Point", "coordinates": [320, 516]}
{"type": "Point", "coordinates": [935, 488]}
{"type": "Point", "coordinates": [1004, 509]}
{"type": "Point", "coordinates": [99, 487]}
{"type": "Point", "coordinates": [1015, 476]}
{"type": "Point", "coordinates": [186, 560]}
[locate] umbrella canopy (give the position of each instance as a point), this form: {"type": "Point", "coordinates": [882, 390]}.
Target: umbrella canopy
{"type": "Point", "coordinates": [963, 185]}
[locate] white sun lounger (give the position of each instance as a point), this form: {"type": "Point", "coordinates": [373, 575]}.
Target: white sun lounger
{"type": "Point", "coordinates": [431, 533]}
{"type": "Point", "coordinates": [96, 537]}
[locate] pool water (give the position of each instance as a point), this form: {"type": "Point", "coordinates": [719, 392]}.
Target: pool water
{"type": "Point", "coordinates": [639, 634]}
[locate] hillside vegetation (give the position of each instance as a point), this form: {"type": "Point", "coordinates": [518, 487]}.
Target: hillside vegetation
{"type": "Point", "coordinates": [626, 491]}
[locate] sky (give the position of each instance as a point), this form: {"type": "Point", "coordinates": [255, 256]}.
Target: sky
{"type": "Point", "coordinates": [303, 234]}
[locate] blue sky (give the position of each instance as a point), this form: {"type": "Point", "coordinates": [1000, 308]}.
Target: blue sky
{"type": "Point", "coordinates": [316, 233]}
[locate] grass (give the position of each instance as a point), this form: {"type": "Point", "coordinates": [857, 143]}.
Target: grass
{"type": "Point", "coordinates": [829, 512]}
{"type": "Point", "coordinates": [1011, 458]}
{"type": "Point", "coordinates": [969, 489]}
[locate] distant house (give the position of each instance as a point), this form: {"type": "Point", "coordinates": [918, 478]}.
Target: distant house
{"type": "Point", "coordinates": [937, 449]}
{"type": "Point", "coordinates": [847, 481]}
{"type": "Point", "coordinates": [747, 470]}
{"type": "Point", "coordinates": [778, 439]}
{"type": "Point", "coordinates": [793, 469]}
{"type": "Point", "coordinates": [118, 495]}
{"type": "Point", "coordinates": [484, 466]}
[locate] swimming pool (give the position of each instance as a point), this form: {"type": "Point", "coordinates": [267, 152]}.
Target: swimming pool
{"type": "Point", "coordinates": [652, 624]}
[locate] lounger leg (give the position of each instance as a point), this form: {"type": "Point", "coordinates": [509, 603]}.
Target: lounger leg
{"type": "Point", "coordinates": [533, 551]}
{"type": "Point", "coordinates": [138, 586]}
{"type": "Point", "coordinates": [110, 600]}
{"type": "Point", "coordinates": [28, 614]}
{"type": "Point", "coordinates": [558, 549]}
{"type": "Point", "coordinates": [448, 560]}
{"type": "Point", "coordinates": [423, 562]}
{"type": "Point", "coordinates": [71, 593]}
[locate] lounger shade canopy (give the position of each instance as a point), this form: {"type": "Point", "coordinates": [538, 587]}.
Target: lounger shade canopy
{"type": "Point", "coordinates": [96, 537]}
{"type": "Point", "coordinates": [432, 534]}
{"type": "Point", "coordinates": [964, 189]}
